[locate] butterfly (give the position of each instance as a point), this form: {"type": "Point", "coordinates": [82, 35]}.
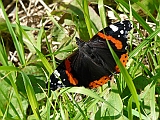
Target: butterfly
{"type": "Point", "coordinates": [93, 64]}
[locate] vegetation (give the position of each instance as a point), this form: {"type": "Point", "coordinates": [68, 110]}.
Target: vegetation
{"type": "Point", "coordinates": [135, 95]}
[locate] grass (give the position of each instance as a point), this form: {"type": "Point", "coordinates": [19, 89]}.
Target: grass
{"type": "Point", "coordinates": [135, 95]}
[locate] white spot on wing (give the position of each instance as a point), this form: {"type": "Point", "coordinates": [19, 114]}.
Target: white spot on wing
{"type": "Point", "coordinates": [114, 28]}
{"type": "Point", "coordinates": [57, 74]}
{"type": "Point", "coordinates": [122, 31]}
{"type": "Point", "coordinates": [121, 22]}
{"type": "Point", "coordinates": [59, 82]}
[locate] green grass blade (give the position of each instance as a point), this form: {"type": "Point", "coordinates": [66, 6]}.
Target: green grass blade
{"type": "Point", "coordinates": [9, 68]}
{"type": "Point", "coordinates": [11, 79]}
{"type": "Point", "coordinates": [41, 56]}
{"type": "Point", "coordinates": [102, 13]}
{"type": "Point", "coordinates": [152, 102]}
{"type": "Point", "coordinates": [31, 95]}
{"type": "Point", "coordinates": [7, 107]}
{"type": "Point", "coordinates": [87, 92]}
{"type": "Point", "coordinates": [141, 5]}
{"type": "Point", "coordinates": [44, 61]}
{"type": "Point", "coordinates": [39, 39]}
{"type": "Point", "coordinates": [87, 17]}
{"type": "Point", "coordinates": [14, 37]}
{"type": "Point", "coordinates": [62, 111]}
{"type": "Point", "coordinates": [10, 104]}
{"type": "Point", "coordinates": [54, 21]}
{"type": "Point", "coordinates": [130, 116]}
{"type": "Point", "coordinates": [136, 16]}
{"type": "Point", "coordinates": [20, 38]}
{"type": "Point", "coordinates": [136, 113]}
{"type": "Point", "coordinates": [144, 43]}
{"type": "Point", "coordinates": [138, 48]}
{"type": "Point", "coordinates": [127, 78]}
{"type": "Point", "coordinates": [3, 54]}
{"type": "Point", "coordinates": [81, 111]}
{"type": "Point", "coordinates": [26, 28]}
{"type": "Point", "coordinates": [82, 90]}
{"type": "Point", "coordinates": [52, 54]}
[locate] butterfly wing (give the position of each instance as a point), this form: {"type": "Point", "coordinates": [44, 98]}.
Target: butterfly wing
{"type": "Point", "coordinates": [96, 58]}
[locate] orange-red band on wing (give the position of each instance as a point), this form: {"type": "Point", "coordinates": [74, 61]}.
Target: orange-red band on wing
{"type": "Point", "coordinates": [71, 79]}
{"type": "Point", "coordinates": [123, 59]}
{"type": "Point", "coordinates": [103, 80]}
{"type": "Point", "coordinates": [117, 43]}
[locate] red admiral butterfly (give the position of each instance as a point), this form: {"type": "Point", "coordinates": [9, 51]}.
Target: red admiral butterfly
{"type": "Point", "coordinates": [92, 64]}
